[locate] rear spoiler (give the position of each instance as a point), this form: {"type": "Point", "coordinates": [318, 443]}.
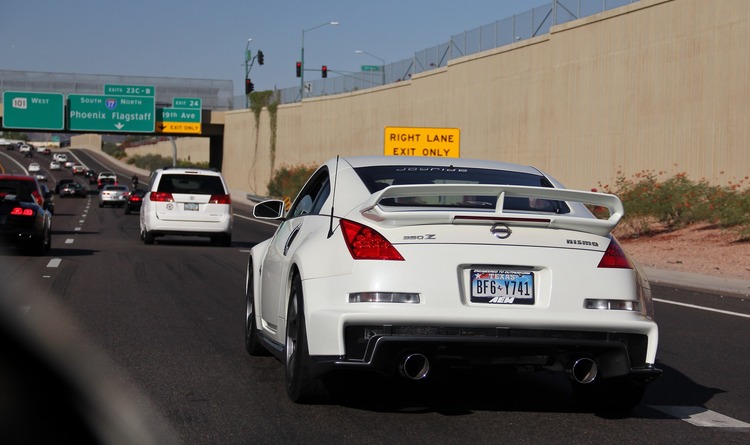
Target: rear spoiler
{"type": "Point", "coordinates": [403, 216]}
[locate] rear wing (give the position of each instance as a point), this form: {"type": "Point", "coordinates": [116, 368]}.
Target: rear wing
{"type": "Point", "coordinates": [376, 210]}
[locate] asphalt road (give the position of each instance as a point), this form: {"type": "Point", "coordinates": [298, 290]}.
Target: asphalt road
{"type": "Point", "coordinates": [163, 326]}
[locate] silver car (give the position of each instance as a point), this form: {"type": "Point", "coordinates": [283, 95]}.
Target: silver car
{"type": "Point", "coordinates": [114, 195]}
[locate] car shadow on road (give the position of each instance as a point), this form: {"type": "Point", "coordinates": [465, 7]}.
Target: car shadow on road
{"type": "Point", "coordinates": [462, 393]}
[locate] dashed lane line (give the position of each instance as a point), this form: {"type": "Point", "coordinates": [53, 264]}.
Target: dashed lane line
{"type": "Point", "coordinates": [700, 416]}
{"type": "Point", "coordinates": [703, 308]}
{"type": "Point", "coordinates": [54, 262]}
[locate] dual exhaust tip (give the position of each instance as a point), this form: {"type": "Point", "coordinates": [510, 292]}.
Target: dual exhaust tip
{"type": "Point", "coordinates": [583, 370]}
{"type": "Point", "coordinates": [416, 366]}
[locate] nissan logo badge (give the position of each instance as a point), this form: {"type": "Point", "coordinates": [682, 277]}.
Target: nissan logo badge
{"type": "Point", "coordinates": [501, 231]}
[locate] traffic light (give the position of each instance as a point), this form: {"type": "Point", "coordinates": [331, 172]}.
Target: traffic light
{"type": "Point", "coordinates": [299, 69]}
{"type": "Point", "coordinates": [260, 57]}
{"type": "Point", "coordinates": [249, 87]}
{"type": "Point", "coordinates": [324, 71]}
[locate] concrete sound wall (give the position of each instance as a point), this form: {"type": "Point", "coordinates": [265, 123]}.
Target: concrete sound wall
{"type": "Point", "coordinates": [659, 85]}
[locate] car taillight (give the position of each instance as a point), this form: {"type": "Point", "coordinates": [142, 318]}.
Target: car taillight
{"type": "Point", "coordinates": [161, 197]}
{"type": "Point", "coordinates": [614, 257]}
{"type": "Point", "coordinates": [220, 199]}
{"type": "Point", "coordinates": [135, 198]}
{"type": "Point", "coordinates": [365, 243]}
{"type": "Point", "coordinates": [20, 211]}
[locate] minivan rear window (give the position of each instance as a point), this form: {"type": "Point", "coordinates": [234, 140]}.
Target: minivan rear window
{"type": "Point", "coordinates": [191, 184]}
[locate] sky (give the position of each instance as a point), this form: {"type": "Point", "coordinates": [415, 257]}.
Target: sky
{"type": "Point", "coordinates": [207, 39]}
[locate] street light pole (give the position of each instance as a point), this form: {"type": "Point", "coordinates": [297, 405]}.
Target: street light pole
{"type": "Point", "coordinates": [302, 57]}
{"type": "Point", "coordinates": [382, 67]}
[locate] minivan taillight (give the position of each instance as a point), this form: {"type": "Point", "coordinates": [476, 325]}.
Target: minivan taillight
{"type": "Point", "coordinates": [365, 243]}
{"type": "Point", "coordinates": [614, 257]}
{"type": "Point", "coordinates": [220, 199]}
{"type": "Point", "coordinates": [161, 197]}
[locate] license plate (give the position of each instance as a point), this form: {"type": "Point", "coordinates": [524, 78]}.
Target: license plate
{"type": "Point", "coordinates": [191, 206]}
{"type": "Point", "coordinates": [497, 286]}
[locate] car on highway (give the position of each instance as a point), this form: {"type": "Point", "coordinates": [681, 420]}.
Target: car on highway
{"type": "Point", "coordinates": [25, 148]}
{"type": "Point", "coordinates": [410, 266]}
{"type": "Point", "coordinates": [62, 183]}
{"type": "Point", "coordinates": [113, 195]}
{"type": "Point", "coordinates": [75, 189]}
{"type": "Point", "coordinates": [41, 149]}
{"type": "Point", "coordinates": [91, 175]}
{"type": "Point", "coordinates": [55, 165]}
{"type": "Point", "coordinates": [40, 176]}
{"type": "Point", "coordinates": [34, 167]}
{"type": "Point", "coordinates": [187, 202]}
{"type": "Point", "coordinates": [106, 178]}
{"type": "Point", "coordinates": [135, 199]}
{"type": "Point", "coordinates": [60, 157]}
{"type": "Point", "coordinates": [25, 220]}
{"type": "Point", "coordinates": [69, 164]}
{"type": "Point", "coordinates": [78, 169]}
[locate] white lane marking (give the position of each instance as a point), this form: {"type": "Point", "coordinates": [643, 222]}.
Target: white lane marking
{"type": "Point", "coordinates": [54, 262]}
{"type": "Point", "coordinates": [69, 241]}
{"type": "Point", "coordinates": [256, 220]}
{"type": "Point", "coordinates": [81, 221]}
{"type": "Point", "coordinates": [700, 416]}
{"type": "Point", "coordinates": [736, 314]}
{"type": "Point", "coordinates": [77, 229]}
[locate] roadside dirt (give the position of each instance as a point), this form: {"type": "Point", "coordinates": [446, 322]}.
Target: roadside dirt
{"type": "Point", "coordinates": [699, 248]}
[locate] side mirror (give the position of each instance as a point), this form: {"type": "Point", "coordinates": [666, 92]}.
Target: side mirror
{"type": "Point", "coordinates": [271, 209]}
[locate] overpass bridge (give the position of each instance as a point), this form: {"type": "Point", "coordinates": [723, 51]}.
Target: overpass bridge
{"type": "Point", "coordinates": [127, 105]}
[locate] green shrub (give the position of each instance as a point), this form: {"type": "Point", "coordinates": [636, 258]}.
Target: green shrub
{"type": "Point", "coordinates": [678, 201]}
{"type": "Point", "coordinates": [288, 180]}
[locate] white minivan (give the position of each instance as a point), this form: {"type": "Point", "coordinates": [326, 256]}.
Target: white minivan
{"type": "Point", "coordinates": [187, 202]}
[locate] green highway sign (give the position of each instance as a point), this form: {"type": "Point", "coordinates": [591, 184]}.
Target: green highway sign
{"type": "Point", "coordinates": [178, 115]}
{"type": "Point", "coordinates": [33, 111]}
{"type": "Point", "coordinates": [370, 68]}
{"type": "Point", "coordinates": [111, 113]}
{"type": "Point", "coordinates": [187, 102]}
{"type": "Point", "coordinates": [129, 90]}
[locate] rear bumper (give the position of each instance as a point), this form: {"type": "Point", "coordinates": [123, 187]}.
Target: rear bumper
{"type": "Point", "coordinates": [384, 348]}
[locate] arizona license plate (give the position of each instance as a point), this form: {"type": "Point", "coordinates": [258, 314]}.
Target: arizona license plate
{"type": "Point", "coordinates": [496, 286]}
{"type": "Point", "coordinates": [191, 206]}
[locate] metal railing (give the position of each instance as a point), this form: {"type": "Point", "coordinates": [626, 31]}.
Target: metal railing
{"type": "Point", "coordinates": [532, 23]}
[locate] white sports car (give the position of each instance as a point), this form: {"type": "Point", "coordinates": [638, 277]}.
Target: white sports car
{"type": "Point", "coordinates": [405, 265]}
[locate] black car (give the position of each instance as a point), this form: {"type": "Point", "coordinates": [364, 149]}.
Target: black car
{"type": "Point", "coordinates": [133, 204]}
{"type": "Point", "coordinates": [73, 189]}
{"type": "Point", "coordinates": [61, 183]}
{"type": "Point", "coordinates": [24, 219]}
{"type": "Point", "coordinates": [91, 175]}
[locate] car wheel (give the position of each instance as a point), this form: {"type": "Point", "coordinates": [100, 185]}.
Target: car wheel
{"type": "Point", "coordinates": [300, 386]}
{"type": "Point", "coordinates": [252, 342]}
{"type": "Point", "coordinates": [148, 238]}
{"type": "Point", "coordinates": [619, 394]}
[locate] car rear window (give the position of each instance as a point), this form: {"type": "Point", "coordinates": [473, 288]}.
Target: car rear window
{"type": "Point", "coordinates": [191, 184]}
{"type": "Point", "coordinates": [20, 188]}
{"type": "Point", "coordinates": [378, 177]}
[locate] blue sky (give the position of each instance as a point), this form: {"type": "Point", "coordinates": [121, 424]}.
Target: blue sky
{"type": "Point", "coordinates": [207, 39]}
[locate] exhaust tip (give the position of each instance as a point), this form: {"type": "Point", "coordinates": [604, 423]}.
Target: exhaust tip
{"type": "Point", "coordinates": [584, 370]}
{"type": "Point", "coordinates": [414, 366]}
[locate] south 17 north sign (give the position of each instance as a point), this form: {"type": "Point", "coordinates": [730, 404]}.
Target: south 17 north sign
{"type": "Point", "coordinates": [105, 113]}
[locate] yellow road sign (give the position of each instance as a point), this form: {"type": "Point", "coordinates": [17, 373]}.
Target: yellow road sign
{"type": "Point", "coordinates": [178, 127]}
{"type": "Point", "coordinates": [422, 141]}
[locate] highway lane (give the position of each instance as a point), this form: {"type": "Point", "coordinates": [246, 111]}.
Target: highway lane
{"type": "Point", "coordinates": [170, 318]}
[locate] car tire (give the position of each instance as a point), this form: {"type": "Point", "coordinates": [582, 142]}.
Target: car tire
{"type": "Point", "coordinates": [252, 341]}
{"type": "Point", "coordinates": [619, 394]}
{"type": "Point", "coordinates": [148, 238]}
{"type": "Point", "coordinates": [300, 385]}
